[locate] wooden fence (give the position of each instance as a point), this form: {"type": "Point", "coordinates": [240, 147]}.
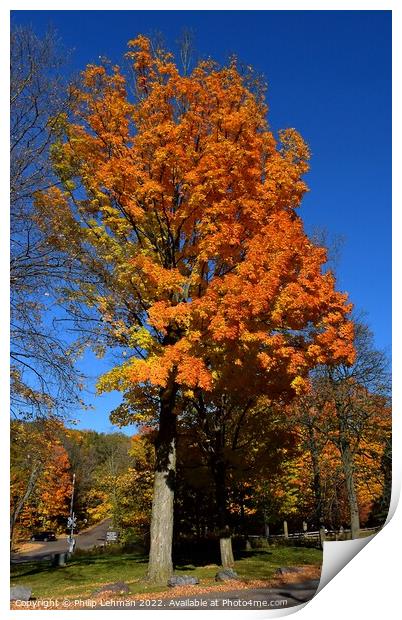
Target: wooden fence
{"type": "Point", "coordinates": [314, 538]}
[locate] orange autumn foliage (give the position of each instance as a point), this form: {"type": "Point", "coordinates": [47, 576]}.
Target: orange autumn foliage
{"type": "Point", "coordinates": [184, 205]}
{"type": "Point", "coordinates": [55, 486]}
{"type": "Point", "coordinates": [38, 454]}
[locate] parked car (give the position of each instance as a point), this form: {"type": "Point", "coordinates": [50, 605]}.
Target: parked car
{"type": "Point", "coordinates": [43, 536]}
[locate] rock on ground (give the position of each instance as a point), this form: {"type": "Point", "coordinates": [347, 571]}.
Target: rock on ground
{"type": "Point", "coordinates": [226, 575]}
{"type": "Point", "coordinates": [182, 580]}
{"type": "Point", "coordinates": [20, 593]}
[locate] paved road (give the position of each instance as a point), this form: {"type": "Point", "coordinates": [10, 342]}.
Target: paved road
{"type": "Point", "coordinates": [87, 539]}
{"type": "Point", "coordinates": [260, 598]}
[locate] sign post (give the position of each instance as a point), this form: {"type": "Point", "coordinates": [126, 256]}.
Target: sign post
{"type": "Point", "coordinates": [71, 522]}
{"type": "Point", "coordinates": [112, 536]}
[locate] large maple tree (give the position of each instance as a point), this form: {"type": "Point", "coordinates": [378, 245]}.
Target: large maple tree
{"type": "Point", "coordinates": [180, 206]}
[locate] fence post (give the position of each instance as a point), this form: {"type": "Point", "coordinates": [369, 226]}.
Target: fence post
{"type": "Point", "coordinates": [322, 535]}
{"type": "Point", "coordinates": [59, 559]}
{"type": "Point", "coordinates": [285, 529]}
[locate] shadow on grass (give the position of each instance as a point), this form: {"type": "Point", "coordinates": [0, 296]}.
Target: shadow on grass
{"type": "Point", "coordinates": [184, 562]}
{"type": "Point", "coordinates": [198, 560]}
{"type": "Point", "coordinates": [45, 567]}
{"type": "Point", "coordinates": [40, 567]}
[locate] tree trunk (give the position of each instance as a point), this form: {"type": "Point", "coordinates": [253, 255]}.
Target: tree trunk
{"type": "Point", "coordinates": [266, 524]}
{"type": "Point", "coordinates": [21, 503]}
{"type": "Point", "coordinates": [160, 566]}
{"type": "Point", "coordinates": [225, 540]}
{"type": "Point", "coordinates": [386, 468]}
{"type": "Point", "coordinates": [347, 462]}
{"type": "Point", "coordinates": [227, 559]}
{"type": "Point", "coordinates": [314, 453]}
{"type": "Point", "coordinates": [242, 515]}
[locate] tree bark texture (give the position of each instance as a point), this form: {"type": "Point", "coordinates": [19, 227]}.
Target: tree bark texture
{"type": "Point", "coordinates": [225, 541]}
{"type": "Point", "coordinates": [160, 566]}
{"type": "Point", "coordinates": [315, 462]}
{"type": "Point", "coordinates": [227, 559]}
{"type": "Point", "coordinates": [33, 477]}
{"type": "Point", "coordinates": [347, 463]}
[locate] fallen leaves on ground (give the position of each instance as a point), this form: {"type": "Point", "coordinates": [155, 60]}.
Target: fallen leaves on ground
{"type": "Point", "coordinates": [308, 572]}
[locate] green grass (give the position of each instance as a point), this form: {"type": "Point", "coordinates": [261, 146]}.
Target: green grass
{"type": "Point", "coordinates": [84, 574]}
{"type": "Point", "coordinates": [262, 564]}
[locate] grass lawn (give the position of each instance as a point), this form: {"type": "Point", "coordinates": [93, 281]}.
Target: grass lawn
{"type": "Point", "coordinates": [84, 574]}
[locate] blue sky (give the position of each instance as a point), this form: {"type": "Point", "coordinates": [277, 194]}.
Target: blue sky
{"type": "Point", "coordinates": [329, 76]}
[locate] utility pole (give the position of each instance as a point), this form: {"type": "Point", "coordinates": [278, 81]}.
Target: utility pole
{"type": "Point", "coordinates": [71, 521]}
